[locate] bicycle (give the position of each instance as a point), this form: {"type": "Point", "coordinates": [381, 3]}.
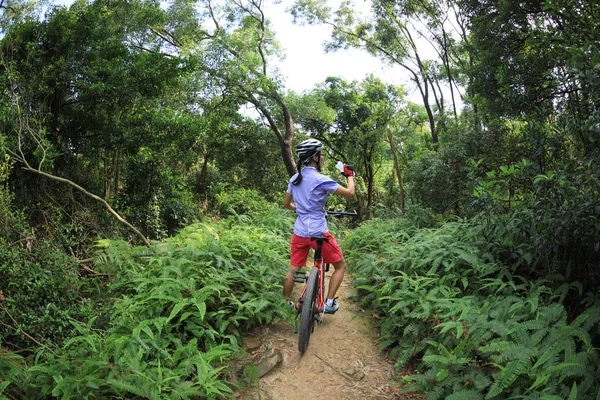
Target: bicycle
{"type": "Point", "coordinates": [312, 298]}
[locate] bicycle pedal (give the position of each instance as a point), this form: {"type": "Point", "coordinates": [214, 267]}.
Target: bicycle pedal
{"type": "Point", "coordinates": [299, 306]}
{"type": "Point", "coordinates": [300, 277]}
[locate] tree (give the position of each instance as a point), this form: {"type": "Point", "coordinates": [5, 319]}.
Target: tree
{"type": "Point", "coordinates": [233, 55]}
{"type": "Point", "coordinates": [15, 11]}
{"type": "Point", "coordinates": [30, 131]}
{"type": "Point", "coordinates": [535, 62]}
{"type": "Point", "coordinates": [392, 35]}
{"type": "Point", "coordinates": [236, 152]}
{"type": "Point", "coordinates": [100, 99]}
{"type": "Point", "coordinates": [397, 167]}
{"type": "Point", "coordinates": [364, 111]}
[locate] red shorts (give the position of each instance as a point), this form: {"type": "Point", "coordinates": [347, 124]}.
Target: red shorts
{"type": "Point", "coordinates": [300, 246]}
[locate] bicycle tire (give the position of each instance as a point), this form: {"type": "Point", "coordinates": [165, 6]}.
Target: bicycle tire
{"type": "Point", "coordinates": [307, 318]}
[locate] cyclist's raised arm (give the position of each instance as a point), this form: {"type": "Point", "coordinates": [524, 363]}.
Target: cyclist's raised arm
{"type": "Point", "coordinates": [287, 202]}
{"type": "Point", "coordinates": [347, 192]}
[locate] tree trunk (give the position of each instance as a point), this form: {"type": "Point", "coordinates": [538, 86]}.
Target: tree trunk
{"type": "Point", "coordinates": [446, 61]}
{"type": "Point", "coordinates": [288, 157]}
{"type": "Point", "coordinates": [360, 211]}
{"type": "Point", "coordinates": [424, 91]}
{"type": "Point", "coordinates": [107, 174]}
{"type": "Point", "coordinates": [369, 177]}
{"type": "Point", "coordinates": [287, 142]}
{"type": "Point", "coordinates": [203, 172]}
{"type": "Point", "coordinates": [111, 160]}
{"type": "Point", "coordinates": [117, 179]}
{"type": "Point", "coordinates": [286, 139]}
{"type": "Point", "coordinates": [397, 167]}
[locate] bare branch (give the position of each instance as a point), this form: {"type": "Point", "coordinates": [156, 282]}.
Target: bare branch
{"type": "Point", "coordinates": [93, 196]}
{"type": "Point", "coordinates": [22, 331]}
{"type": "Point", "coordinates": [167, 37]}
{"type": "Point", "coordinates": [214, 18]}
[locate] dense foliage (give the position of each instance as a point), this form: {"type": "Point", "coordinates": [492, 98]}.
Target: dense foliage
{"type": "Point", "coordinates": [175, 316]}
{"type": "Point", "coordinates": [450, 299]}
{"type": "Point", "coordinates": [167, 124]}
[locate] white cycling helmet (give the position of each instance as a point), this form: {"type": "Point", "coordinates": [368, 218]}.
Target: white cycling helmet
{"type": "Point", "coordinates": [308, 148]}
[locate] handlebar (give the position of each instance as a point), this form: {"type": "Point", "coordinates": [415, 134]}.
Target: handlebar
{"type": "Point", "coordinates": [341, 213]}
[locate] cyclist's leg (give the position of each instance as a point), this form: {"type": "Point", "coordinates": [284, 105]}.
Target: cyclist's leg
{"type": "Point", "coordinates": [299, 248]}
{"type": "Point", "coordinates": [288, 282]}
{"type": "Point", "coordinates": [336, 278]}
{"type": "Point", "coordinates": [333, 254]}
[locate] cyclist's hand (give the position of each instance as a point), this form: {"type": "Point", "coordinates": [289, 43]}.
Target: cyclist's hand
{"type": "Point", "coordinates": [348, 171]}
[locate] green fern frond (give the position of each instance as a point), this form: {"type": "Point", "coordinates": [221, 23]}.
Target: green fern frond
{"type": "Point", "coordinates": [435, 393]}
{"type": "Point", "coordinates": [563, 341]}
{"type": "Point", "coordinates": [126, 387]}
{"type": "Point", "coordinates": [508, 375]}
{"type": "Point", "coordinates": [588, 319]}
{"type": "Point", "coordinates": [496, 347]}
{"type": "Point", "coordinates": [478, 378]}
{"type": "Point", "coordinates": [573, 393]}
{"type": "Point", "coordinates": [465, 395]}
{"type": "Point", "coordinates": [498, 328]}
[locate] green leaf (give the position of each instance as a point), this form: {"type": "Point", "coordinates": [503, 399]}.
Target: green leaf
{"type": "Point", "coordinates": [3, 386]}
{"type": "Point", "coordinates": [507, 376]}
{"type": "Point", "coordinates": [178, 307]}
{"type": "Point", "coordinates": [201, 307]}
{"type": "Point", "coordinates": [442, 374]}
{"type": "Point", "coordinates": [465, 395]}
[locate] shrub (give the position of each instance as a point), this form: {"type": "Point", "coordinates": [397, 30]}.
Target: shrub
{"type": "Point", "coordinates": [566, 227]}
{"type": "Point", "coordinates": [437, 180]}
{"type": "Point", "coordinates": [178, 316]}
{"type": "Point", "coordinates": [241, 201]}
{"type": "Point", "coordinates": [40, 294]}
{"type": "Point", "coordinates": [544, 222]}
{"type": "Point", "coordinates": [477, 329]}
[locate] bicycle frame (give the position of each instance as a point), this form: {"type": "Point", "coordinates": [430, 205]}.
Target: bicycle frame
{"type": "Point", "coordinates": [318, 263]}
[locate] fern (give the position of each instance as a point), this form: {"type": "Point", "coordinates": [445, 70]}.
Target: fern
{"type": "Point", "coordinates": [12, 371]}
{"type": "Point", "coordinates": [180, 309]}
{"type": "Point", "coordinates": [465, 395]}
{"type": "Point", "coordinates": [562, 341]}
{"type": "Point", "coordinates": [478, 327]}
{"type": "Point", "coordinates": [508, 375]}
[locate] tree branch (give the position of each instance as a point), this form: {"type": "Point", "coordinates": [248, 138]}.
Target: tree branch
{"type": "Point", "coordinates": [20, 157]}
{"type": "Point", "coordinates": [91, 195]}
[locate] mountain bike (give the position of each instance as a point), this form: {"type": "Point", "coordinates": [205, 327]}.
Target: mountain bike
{"type": "Point", "coordinates": [312, 298]}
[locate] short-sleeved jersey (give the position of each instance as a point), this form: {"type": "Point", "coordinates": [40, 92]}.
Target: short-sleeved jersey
{"type": "Point", "coordinates": [310, 197]}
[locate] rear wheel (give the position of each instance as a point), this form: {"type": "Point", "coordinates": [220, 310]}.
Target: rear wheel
{"type": "Point", "coordinates": [309, 309]}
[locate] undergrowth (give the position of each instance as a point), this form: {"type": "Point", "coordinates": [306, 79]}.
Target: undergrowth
{"type": "Point", "coordinates": [478, 330]}
{"type": "Point", "coordinates": [179, 310]}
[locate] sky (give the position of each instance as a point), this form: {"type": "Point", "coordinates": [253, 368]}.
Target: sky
{"type": "Point", "coordinates": [306, 62]}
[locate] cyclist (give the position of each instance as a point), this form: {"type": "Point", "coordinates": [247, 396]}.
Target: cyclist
{"type": "Point", "coordinates": [309, 191]}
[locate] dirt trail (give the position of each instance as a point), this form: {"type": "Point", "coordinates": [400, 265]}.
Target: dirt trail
{"type": "Point", "coordinates": [342, 361]}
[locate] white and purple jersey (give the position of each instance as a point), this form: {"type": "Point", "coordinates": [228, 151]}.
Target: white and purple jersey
{"type": "Point", "coordinates": [310, 197]}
